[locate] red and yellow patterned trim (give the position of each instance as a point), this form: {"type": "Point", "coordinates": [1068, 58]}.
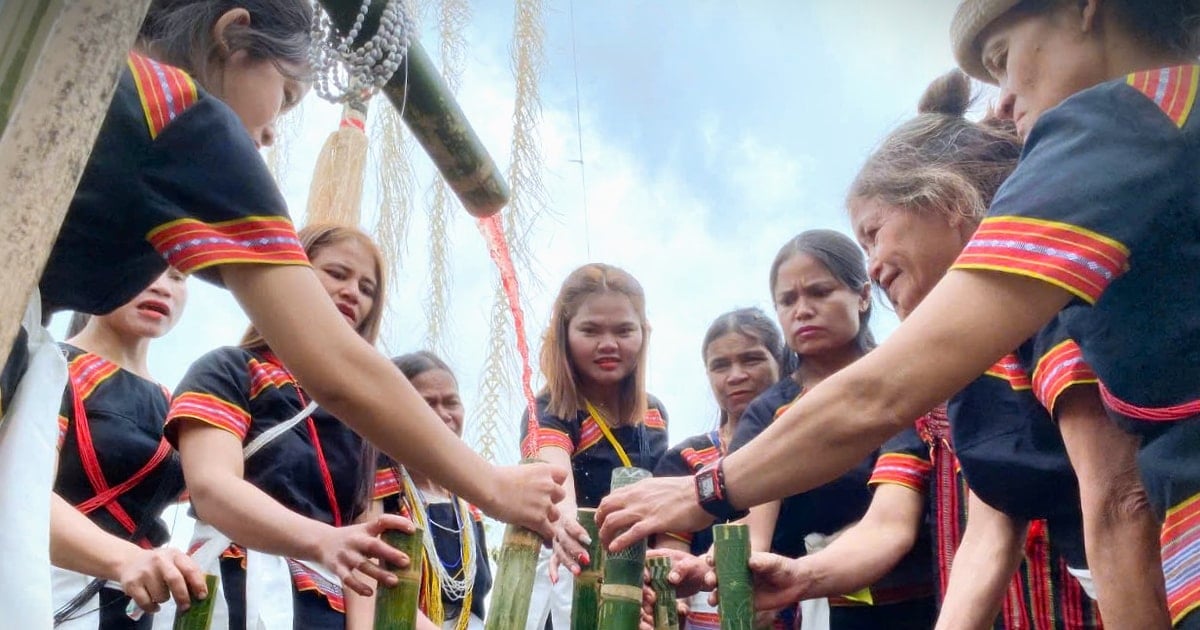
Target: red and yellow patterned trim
{"type": "Point", "coordinates": [654, 420]}
{"type": "Point", "coordinates": [210, 410]}
{"type": "Point", "coordinates": [555, 438]}
{"type": "Point", "coordinates": [306, 579]}
{"type": "Point", "coordinates": [386, 483]}
{"type": "Point", "coordinates": [697, 459]}
{"type": "Point", "coordinates": [1059, 369]}
{"type": "Point", "coordinates": [264, 374]}
{"type": "Point", "coordinates": [88, 371]}
{"type": "Point", "coordinates": [1181, 557]}
{"type": "Point", "coordinates": [902, 469]}
{"type": "Point", "coordinates": [1169, 413]}
{"type": "Point", "coordinates": [1172, 89]}
{"type": "Point", "coordinates": [165, 91]}
{"type": "Point", "coordinates": [190, 245]}
{"type": "Point", "coordinates": [63, 424]}
{"type": "Point", "coordinates": [685, 538]}
{"type": "Point", "coordinates": [1009, 369]}
{"type": "Point", "coordinates": [1069, 257]}
{"type": "Point", "coordinates": [589, 434]}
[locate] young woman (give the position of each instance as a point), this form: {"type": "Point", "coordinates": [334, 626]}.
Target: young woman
{"type": "Point", "coordinates": [299, 493]}
{"type": "Point", "coordinates": [175, 179]}
{"type": "Point", "coordinates": [1095, 227]}
{"type": "Point", "coordinates": [822, 299]}
{"type": "Point", "coordinates": [456, 576]}
{"type": "Point", "coordinates": [115, 472]}
{"type": "Point", "coordinates": [927, 186]}
{"type": "Point", "coordinates": [742, 351]}
{"type": "Point", "coordinates": [594, 414]}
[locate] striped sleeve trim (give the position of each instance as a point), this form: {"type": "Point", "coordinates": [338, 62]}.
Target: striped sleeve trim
{"type": "Point", "coordinates": [386, 484]}
{"type": "Point", "coordinates": [1058, 370]}
{"type": "Point", "coordinates": [1181, 558]}
{"type": "Point", "coordinates": [210, 410]}
{"type": "Point", "coordinates": [63, 424]}
{"type": "Point", "coordinates": [190, 245]}
{"type": "Point", "coordinates": [306, 579]}
{"type": "Point", "coordinates": [1172, 89]}
{"type": "Point", "coordinates": [555, 438]}
{"type": "Point", "coordinates": [683, 538]}
{"type": "Point", "coordinates": [902, 469]}
{"type": "Point", "coordinates": [88, 371]}
{"type": "Point", "coordinates": [165, 91]}
{"type": "Point", "coordinates": [1009, 369]}
{"type": "Point", "coordinates": [265, 374]}
{"type": "Point", "coordinates": [1069, 257]}
{"type": "Point", "coordinates": [654, 420]}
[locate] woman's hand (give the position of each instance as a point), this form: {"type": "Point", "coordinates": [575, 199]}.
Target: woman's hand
{"type": "Point", "coordinates": [152, 576]}
{"type": "Point", "coordinates": [688, 572]}
{"type": "Point", "coordinates": [526, 495]}
{"type": "Point", "coordinates": [342, 550]}
{"type": "Point", "coordinates": [779, 581]}
{"type": "Point", "coordinates": [650, 506]}
{"type": "Point", "coordinates": [570, 545]}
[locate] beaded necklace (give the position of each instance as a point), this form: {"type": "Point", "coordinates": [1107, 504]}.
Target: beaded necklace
{"type": "Point", "coordinates": [436, 578]}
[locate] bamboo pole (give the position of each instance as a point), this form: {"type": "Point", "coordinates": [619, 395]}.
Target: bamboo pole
{"type": "Point", "coordinates": [666, 612]}
{"type": "Point", "coordinates": [732, 555]}
{"type": "Point", "coordinates": [621, 592]}
{"type": "Point", "coordinates": [515, 571]}
{"type": "Point", "coordinates": [199, 615]}
{"type": "Point", "coordinates": [59, 63]}
{"type": "Point", "coordinates": [429, 109]}
{"type": "Point", "coordinates": [396, 606]}
{"type": "Point", "coordinates": [585, 602]}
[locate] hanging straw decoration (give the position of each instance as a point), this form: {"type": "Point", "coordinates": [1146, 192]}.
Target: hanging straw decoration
{"type": "Point", "coordinates": [585, 601]}
{"type": "Point", "coordinates": [335, 195]}
{"type": "Point", "coordinates": [621, 592]}
{"type": "Point", "coordinates": [666, 612]}
{"type": "Point", "coordinates": [732, 556]}
{"type": "Point", "coordinates": [392, 152]}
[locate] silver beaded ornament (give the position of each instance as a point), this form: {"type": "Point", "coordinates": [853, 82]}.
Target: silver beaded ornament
{"type": "Point", "coordinates": [348, 74]}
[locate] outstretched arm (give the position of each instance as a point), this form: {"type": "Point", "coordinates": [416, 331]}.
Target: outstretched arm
{"type": "Point", "coordinates": [990, 551]}
{"type": "Point", "coordinates": [360, 386]}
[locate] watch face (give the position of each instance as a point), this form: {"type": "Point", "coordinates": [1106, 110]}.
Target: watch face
{"type": "Point", "coordinates": [706, 487]}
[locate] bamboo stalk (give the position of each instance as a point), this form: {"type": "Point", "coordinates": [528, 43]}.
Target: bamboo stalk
{"type": "Point", "coordinates": [396, 606]}
{"type": "Point", "coordinates": [199, 615]}
{"type": "Point", "coordinates": [666, 612]}
{"type": "Point", "coordinates": [429, 109]}
{"type": "Point", "coordinates": [517, 566]}
{"type": "Point", "coordinates": [621, 592]}
{"type": "Point", "coordinates": [585, 602]}
{"type": "Point", "coordinates": [732, 553]}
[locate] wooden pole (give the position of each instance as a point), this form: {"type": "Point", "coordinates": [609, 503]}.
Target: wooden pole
{"type": "Point", "coordinates": [666, 612]}
{"type": "Point", "coordinates": [199, 615]}
{"type": "Point", "coordinates": [621, 593]}
{"type": "Point", "coordinates": [585, 601]}
{"type": "Point", "coordinates": [396, 606]}
{"type": "Point", "coordinates": [429, 109]}
{"type": "Point", "coordinates": [732, 557]}
{"type": "Point", "coordinates": [59, 63]}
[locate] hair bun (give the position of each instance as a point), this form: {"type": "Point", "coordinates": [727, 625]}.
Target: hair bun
{"type": "Point", "coordinates": [949, 94]}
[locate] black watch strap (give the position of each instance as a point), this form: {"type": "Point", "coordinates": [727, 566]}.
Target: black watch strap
{"type": "Point", "coordinates": [710, 488]}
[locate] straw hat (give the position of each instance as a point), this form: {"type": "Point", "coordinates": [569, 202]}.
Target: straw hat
{"type": "Point", "coordinates": [971, 18]}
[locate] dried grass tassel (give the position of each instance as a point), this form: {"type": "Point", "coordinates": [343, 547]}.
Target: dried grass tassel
{"type": "Point", "coordinates": [335, 194]}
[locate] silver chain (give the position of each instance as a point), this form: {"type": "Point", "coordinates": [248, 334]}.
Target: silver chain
{"type": "Point", "coordinates": [345, 73]}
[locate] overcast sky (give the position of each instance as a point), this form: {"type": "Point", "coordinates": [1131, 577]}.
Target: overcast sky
{"type": "Point", "coordinates": [712, 132]}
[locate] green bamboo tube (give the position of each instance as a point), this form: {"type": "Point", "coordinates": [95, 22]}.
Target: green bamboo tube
{"type": "Point", "coordinates": [732, 554]}
{"type": "Point", "coordinates": [585, 602]}
{"type": "Point", "coordinates": [199, 614]}
{"type": "Point", "coordinates": [621, 592]}
{"type": "Point", "coordinates": [429, 109]}
{"type": "Point", "coordinates": [515, 572]}
{"type": "Point", "coordinates": [666, 613]}
{"type": "Point", "coordinates": [396, 606]}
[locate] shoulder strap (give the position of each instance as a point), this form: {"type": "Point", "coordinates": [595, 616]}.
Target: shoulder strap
{"type": "Point", "coordinates": [268, 436]}
{"type": "Point", "coordinates": [595, 413]}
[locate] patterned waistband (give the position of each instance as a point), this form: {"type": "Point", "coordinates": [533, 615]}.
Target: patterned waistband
{"type": "Point", "coordinates": [934, 426]}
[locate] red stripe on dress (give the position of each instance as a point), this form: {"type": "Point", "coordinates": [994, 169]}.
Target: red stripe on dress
{"type": "Point", "coordinates": [88, 371]}
{"type": "Point", "coordinates": [1173, 89]}
{"type": "Point", "coordinates": [211, 410]}
{"type": "Point", "coordinates": [150, 93]}
{"type": "Point", "coordinates": [307, 579]}
{"type": "Point", "coordinates": [264, 374]}
{"type": "Point", "coordinates": [1009, 369]}
{"type": "Point", "coordinates": [697, 459]}
{"type": "Point", "coordinates": [654, 419]}
{"type": "Point", "coordinates": [902, 469]}
{"type": "Point", "coordinates": [386, 483]}
{"type": "Point", "coordinates": [1060, 368]}
{"type": "Point", "coordinates": [190, 245]}
{"type": "Point", "coordinates": [1075, 259]}
{"type": "Point", "coordinates": [1169, 413]}
{"type": "Point", "coordinates": [589, 435]}
{"type": "Point", "coordinates": [1180, 540]}
{"type": "Point", "coordinates": [556, 438]}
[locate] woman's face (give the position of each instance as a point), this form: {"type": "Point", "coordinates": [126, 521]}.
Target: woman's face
{"type": "Point", "coordinates": [155, 311]}
{"type": "Point", "coordinates": [739, 368]}
{"type": "Point", "coordinates": [604, 338]}
{"type": "Point", "coordinates": [907, 251]}
{"type": "Point", "coordinates": [1040, 59]}
{"type": "Point", "coordinates": [817, 313]}
{"type": "Point", "coordinates": [346, 269]}
{"type": "Point", "coordinates": [440, 391]}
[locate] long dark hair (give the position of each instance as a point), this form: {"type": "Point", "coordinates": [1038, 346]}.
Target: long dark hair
{"type": "Point", "coordinates": [843, 258]}
{"type": "Point", "coordinates": [750, 322]}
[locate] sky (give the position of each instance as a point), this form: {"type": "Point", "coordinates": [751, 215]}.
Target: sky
{"type": "Point", "coordinates": [711, 133]}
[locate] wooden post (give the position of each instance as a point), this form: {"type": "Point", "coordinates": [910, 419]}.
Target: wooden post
{"type": "Point", "coordinates": [731, 553]}
{"type": "Point", "coordinates": [396, 606]}
{"type": "Point", "coordinates": [59, 63]}
{"type": "Point", "coordinates": [199, 615]}
{"type": "Point", "coordinates": [585, 601]}
{"type": "Point", "coordinates": [621, 593]}
{"type": "Point", "coordinates": [429, 109]}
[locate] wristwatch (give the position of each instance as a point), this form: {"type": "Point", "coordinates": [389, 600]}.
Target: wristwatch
{"type": "Point", "coordinates": [710, 488]}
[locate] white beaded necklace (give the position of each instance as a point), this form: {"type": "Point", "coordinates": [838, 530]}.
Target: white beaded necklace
{"type": "Point", "coordinates": [458, 585]}
{"type": "Point", "coordinates": [353, 74]}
